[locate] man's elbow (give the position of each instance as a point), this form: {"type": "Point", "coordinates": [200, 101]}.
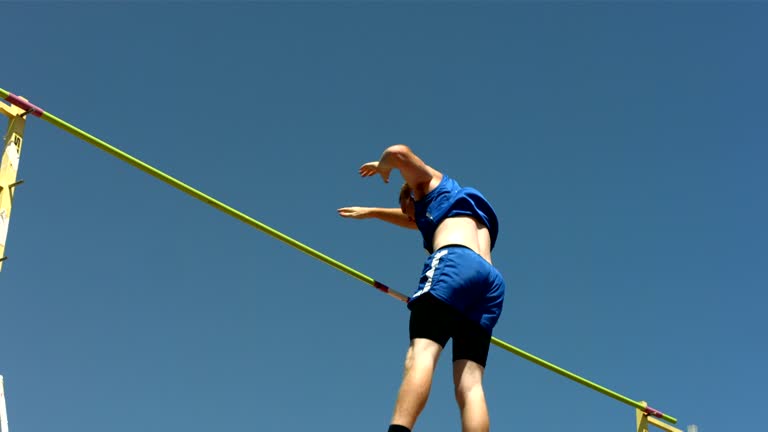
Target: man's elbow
{"type": "Point", "coordinates": [398, 153]}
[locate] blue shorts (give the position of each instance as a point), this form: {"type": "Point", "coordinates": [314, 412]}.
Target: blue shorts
{"type": "Point", "coordinates": [460, 277]}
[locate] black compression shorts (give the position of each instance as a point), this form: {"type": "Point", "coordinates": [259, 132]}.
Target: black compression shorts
{"type": "Point", "coordinates": [433, 319]}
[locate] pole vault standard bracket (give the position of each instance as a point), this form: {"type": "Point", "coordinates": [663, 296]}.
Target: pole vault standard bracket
{"type": "Point", "coordinates": [646, 417]}
{"type": "Point", "coordinates": [9, 165]}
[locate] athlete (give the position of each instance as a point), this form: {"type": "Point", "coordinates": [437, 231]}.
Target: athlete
{"type": "Point", "coordinates": [460, 293]}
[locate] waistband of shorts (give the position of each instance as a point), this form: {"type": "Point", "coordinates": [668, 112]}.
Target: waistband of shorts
{"type": "Point", "coordinates": [460, 246]}
{"type": "Point", "coordinates": [453, 245]}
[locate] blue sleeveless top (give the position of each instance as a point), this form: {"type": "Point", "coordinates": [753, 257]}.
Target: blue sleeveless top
{"type": "Point", "coordinates": [449, 199]}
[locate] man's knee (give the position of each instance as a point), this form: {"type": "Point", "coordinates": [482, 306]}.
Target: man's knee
{"type": "Point", "coordinates": [424, 349]}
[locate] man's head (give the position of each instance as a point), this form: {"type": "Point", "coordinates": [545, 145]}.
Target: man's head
{"type": "Point", "coordinates": [407, 203]}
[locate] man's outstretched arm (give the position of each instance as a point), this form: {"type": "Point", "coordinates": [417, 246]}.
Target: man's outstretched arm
{"type": "Point", "coordinates": [392, 215]}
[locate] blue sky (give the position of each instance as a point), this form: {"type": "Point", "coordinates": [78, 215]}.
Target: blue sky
{"type": "Point", "coordinates": [623, 146]}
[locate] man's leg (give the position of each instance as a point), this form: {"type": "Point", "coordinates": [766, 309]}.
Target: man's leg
{"type": "Point", "coordinates": [468, 381]}
{"type": "Point", "coordinates": [417, 380]}
{"type": "Point", "coordinates": [471, 344]}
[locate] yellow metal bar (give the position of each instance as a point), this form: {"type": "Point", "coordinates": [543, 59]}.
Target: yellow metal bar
{"type": "Point", "coordinates": [9, 168]}
{"type": "Point", "coordinates": [663, 426]}
{"type": "Point", "coordinates": [10, 110]}
{"type": "Point", "coordinates": [642, 421]}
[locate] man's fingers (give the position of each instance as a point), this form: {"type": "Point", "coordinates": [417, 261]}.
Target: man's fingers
{"type": "Point", "coordinates": [349, 212]}
{"type": "Point", "coordinates": [369, 169]}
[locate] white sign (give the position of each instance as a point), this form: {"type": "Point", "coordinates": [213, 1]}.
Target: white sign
{"type": "Point", "coordinates": [3, 227]}
{"type": "Point", "coordinates": [12, 153]}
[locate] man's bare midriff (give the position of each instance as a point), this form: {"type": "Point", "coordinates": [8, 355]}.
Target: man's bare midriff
{"type": "Point", "coordinates": [464, 231]}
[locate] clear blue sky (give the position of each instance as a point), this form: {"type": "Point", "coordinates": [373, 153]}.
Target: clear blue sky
{"type": "Point", "coordinates": [623, 146]}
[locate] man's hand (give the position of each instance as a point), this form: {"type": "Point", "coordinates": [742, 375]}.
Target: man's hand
{"type": "Point", "coordinates": [372, 168]}
{"type": "Point", "coordinates": [354, 212]}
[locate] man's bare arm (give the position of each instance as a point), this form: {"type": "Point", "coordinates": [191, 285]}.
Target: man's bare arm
{"type": "Point", "coordinates": [420, 177]}
{"type": "Point", "coordinates": [392, 215]}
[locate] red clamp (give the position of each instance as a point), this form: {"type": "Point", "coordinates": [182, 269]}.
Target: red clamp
{"type": "Point", "coordinates": [26, 106]}
{"type": "Point", "coordinates": [654, 412]}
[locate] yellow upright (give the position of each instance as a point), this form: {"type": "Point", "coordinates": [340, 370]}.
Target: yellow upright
{"type": "Point", "coordinates": [9, 168]}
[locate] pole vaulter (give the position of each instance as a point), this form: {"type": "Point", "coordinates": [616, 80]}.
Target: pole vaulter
{"type": "Point", "coordinates": [30, 108]}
